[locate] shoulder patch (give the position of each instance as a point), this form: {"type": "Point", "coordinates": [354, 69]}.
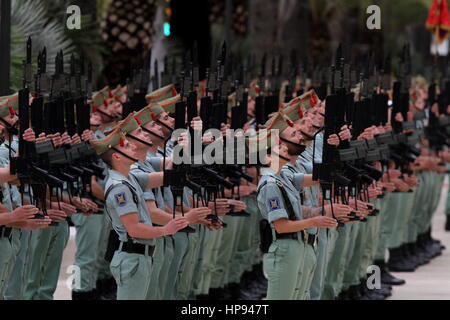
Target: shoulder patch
{"type": "Point", "coordinates": [121, 199]}
{"type": "Point", "coordinates": [273, 203]}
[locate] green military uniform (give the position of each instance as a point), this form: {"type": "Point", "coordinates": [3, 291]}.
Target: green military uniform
{"type": "Point", "coordinates": [132, 271]}
{"type": "Point", "coordinates": [162, 257]}
{"type": "Point", "coordinates": [91, 239]}
{"type": "Point", "coordinates": [284, 262]}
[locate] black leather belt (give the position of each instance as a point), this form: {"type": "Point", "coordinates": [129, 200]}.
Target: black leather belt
{"type": "Point", "coordinates": [138, 248]}
{"type": "Point", "coordinates": [5, 232]}
{"type": "Point", "coordinates": [307, 238]}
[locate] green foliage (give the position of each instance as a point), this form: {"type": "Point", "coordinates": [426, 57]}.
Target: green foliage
{"type": "Point", "coordinates": [28, 19]}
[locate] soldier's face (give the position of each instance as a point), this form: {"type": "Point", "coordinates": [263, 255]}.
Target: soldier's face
{"type": "Point", "coordinates": [305, 125]}
{"type": "Point", "coordinates": [168, 121]}
{"type": "Point", "coordinates": [129, 149]}
{"type": "Point", "coordinates": [154, 127]}
{"type": "Point", "coordinates": [144, 136]}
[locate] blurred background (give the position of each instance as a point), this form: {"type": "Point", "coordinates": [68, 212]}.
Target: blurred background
{"type": "Point", "coordinates": [117, 34]}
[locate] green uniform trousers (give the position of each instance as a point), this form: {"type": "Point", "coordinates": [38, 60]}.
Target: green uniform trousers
{"type": "Point", "coordinates": [321, 266]}
{"type": "Point", "coordinates": [19, 278]}
{"type": "Point", "coordinates": [283, 265]}
{"type": "Point", "coordinates": [245, 249]}
{"type": "Point", "coordinates": [403, 216]}
{"type": "Point", "coordinates": [197, 276]}
{"type": "Point", "coordinates": [386, 225]}
{"type": "Point", "coordinates": [89, 230]}
{"type": "Point", "coordinates": [334, 275]}
{"type": "Point", "coordinates": [9, 248]}
{"type": "Point", "coordinates": [132, 273]}
{"type": "Point", "coordinates": [181, 244]}
{"type": "Point", "coordinates": [157, 263]}
{"type": "Point", "coordinates": [309, 266]}
{"type": "Point", "coordinates": [185, 281]}
{"type": "Point", "coordinates": [164, 272]}
{"type": "Point", "coordinates": [225, 253]}
{"type": "Point", "coordinates": [46, 248]}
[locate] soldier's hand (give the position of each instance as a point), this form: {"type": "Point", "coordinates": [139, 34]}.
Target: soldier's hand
{"type": "Point", "coordinates": [175, 225]}
{"type": "Point", "coordinates": [197, 124]}
{"type": "Point", "coordinates": [345, 133]}
{"type": "Point", "coordinates": [195, 214]}
{"type": "Point", "coordinates": [333, 140]}
{"type": "Point", "coordinates": [221, 207]}
{"type": "Point", "coordinates": [24, 213]}
{"type": "Point", "coordinates": [66, 139]}
{"type": "Point", "coordinates": [339, 210]}
{"type": "Point", "coordinates": [324, 222]}
{"type": "Point", "coordinates": [76, 139]}
{"type": "Point", "coordinates": [65, 207]}
{"type": "Point", "coordinates": [41, 138]}
{"type": "Point", "coordinates": [35, 224]}
{"type": "Point", "coordinates": [29, 135]}
{"type": "Point", "coordinates": [238, 205]}
{"type": "Point", "coordinates": [87, 135]}
{"type": "Point", "coordinates": [57, 215]}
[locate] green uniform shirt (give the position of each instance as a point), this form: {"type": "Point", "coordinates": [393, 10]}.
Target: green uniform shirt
{"type": "Point", "coordinates": [120, 201]}
{"type": "Point", "coordinates": [270, 200]}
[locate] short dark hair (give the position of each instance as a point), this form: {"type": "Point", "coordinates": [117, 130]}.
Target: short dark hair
{"type": "Point", "coordinates": [107, 157]}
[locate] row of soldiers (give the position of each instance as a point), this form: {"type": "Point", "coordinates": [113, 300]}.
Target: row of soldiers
{"type": "Point", "coordinates": [136, 240]}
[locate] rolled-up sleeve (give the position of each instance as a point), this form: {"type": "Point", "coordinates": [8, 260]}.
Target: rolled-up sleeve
{"type": "Point", "coordinates": [271, 203]}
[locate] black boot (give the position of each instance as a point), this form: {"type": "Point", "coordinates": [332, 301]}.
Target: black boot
{"type": "Point", "coordinates": [408, 257]}
{"type": "Point", "coordinates": [396, 261]}
{"type": "Point", "coordinates": [354, 293]}
{"type": "Point", "coordinates": [423, 248]}
{"type": "Point", "coordinates": [87, 295]}
{"type": "Point", "coordinates": [106, 289]}
{"type": "Point", "coordinates": [232, 291]}
{"type": "Point", "coordinates": [202, 297]}
{"type": "Point", "coordinates": [386, 277]}
{"type": "Point", "coordinates": [447, 223]}
{"type": "Point", "coordinates": [216, 294]}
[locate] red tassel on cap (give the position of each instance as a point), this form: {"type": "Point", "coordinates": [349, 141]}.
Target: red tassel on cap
{"type": "Point", "coordinates": [11, 110]}
{"type": "Point", "coordinates": [278, 139]}
{"type": "Point", "coordinates": [33, 95]}
{"type": "Point", "coordinates": [290, 123]}
{"type": "Point", "coordinates": [105, 102]}
{"type": "Point", "coordinates": [110, 94]}
{"type": "Point", "coordinates": [153, 116]}
{"type": "Point", "coordinates": [174, 91]}
{"type": "Point", "coordinates": [122, 142]}
{"type": "Point", "coordinates": [300, 113]}
{"type": "Point", "coordinates": [94, 108]}
{"type": "Point", "coordinates": [137, 120]}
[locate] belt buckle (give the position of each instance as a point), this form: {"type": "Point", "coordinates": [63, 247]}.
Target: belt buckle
{"type": "Point", "coordinates": [154, 251]}
{"type": "Point", "coordinates": [315, 241]}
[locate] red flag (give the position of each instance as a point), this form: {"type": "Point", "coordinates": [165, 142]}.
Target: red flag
{"type": "Point", "coordinates": [438, 20]}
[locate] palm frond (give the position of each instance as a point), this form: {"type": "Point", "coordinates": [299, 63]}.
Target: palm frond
{"type": "Point", "coordinates": [28, 19]}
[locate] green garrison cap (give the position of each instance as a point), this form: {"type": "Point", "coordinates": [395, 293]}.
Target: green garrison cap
{"type": "Point", "coordinates": [115, 138]}
{"type": "Point", "coordinates": [9, 105]}
{"type": "Point", "coordinates": [144, 116]}
{"type": "Point", "coordinates": [126, 125]}
{"type": "Point", "coordinates": [161, 94]}
{"type": "Point", "coordinates": [293, 110]}
{"type": "Point", "coordinates": [278, 121]}
{"type": "Point", "coordinates": [167, 105]}
{"type": "Point", "coordinates": [119, 92]}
